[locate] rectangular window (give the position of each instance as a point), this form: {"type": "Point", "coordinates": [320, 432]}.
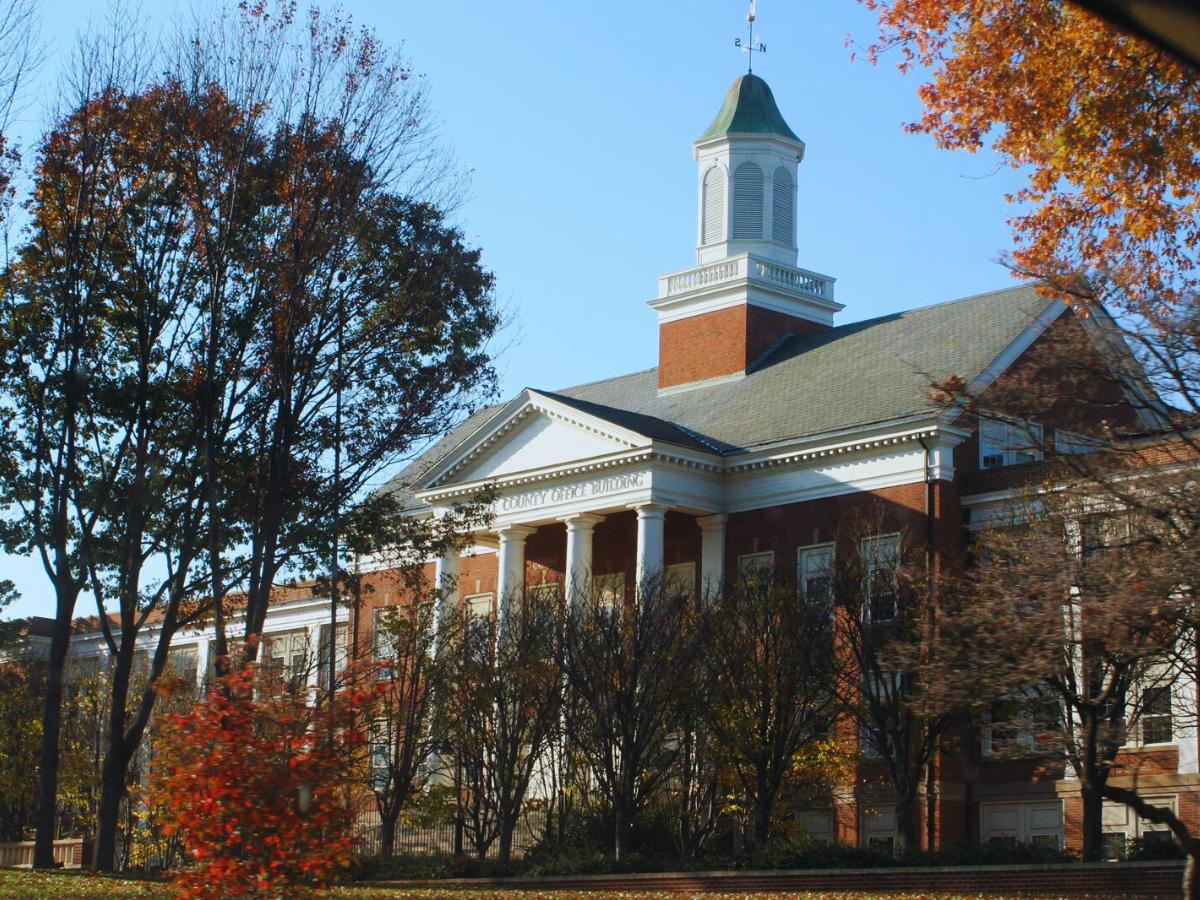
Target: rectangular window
{"type": "Point", "coordinates": [1022, 723]}
{"type": "Point", "coordinates": [1156, 716]}
{"type": "Point", "coordinates": [478, 606]}
{"type": "Point", "coordinates": [1007, 442]}
{"type": "Point", "coordinates": [1070, 443]}
{"type": "Point", "coordinates": [341, 652]}
{"type": "Point", "coordinates": [881, 564]}
{"type": "Point", "coordinates": [757, 569]}
{"type": "Point", "coordinates": [287, 656]}
{"type": "Point", "coordinates": [610, 590]}
{"type": "Point", "coordinates": [814, 572]}
{"type": "Point", "coordinates": [381, 753]}
{"type": "Point", "coordinates": [681, 579]}
{"type": "Point", "coordinates": [1035, 822]}
{"type": "Point", "coordinates": [547, 592]}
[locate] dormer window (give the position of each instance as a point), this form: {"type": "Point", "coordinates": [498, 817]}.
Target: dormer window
{"type": "Point", "coordinates": [1008, 442]}
{"type": "Point", "coordinates": [748, 202]}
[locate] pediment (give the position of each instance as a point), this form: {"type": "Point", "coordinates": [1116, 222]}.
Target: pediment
{"type": "Point", "coordinates": [534, 433]}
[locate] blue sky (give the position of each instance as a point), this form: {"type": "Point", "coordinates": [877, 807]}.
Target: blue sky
{"type": "Point", "coordinates": [576, 122]}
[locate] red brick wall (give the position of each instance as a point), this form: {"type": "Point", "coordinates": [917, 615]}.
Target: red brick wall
{"type": "Point", "coordinates": [719, 343]}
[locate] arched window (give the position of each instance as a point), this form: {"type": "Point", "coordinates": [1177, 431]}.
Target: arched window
{"type": "Point", "coordinates": [783, 220]}
{"type": "Point", "coordinates": [748, 202]}
{"type": "Point", "coordinates": [712, 227]}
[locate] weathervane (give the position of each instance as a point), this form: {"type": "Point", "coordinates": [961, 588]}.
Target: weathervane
{"type": "Point", "coordinates": [752, 43]}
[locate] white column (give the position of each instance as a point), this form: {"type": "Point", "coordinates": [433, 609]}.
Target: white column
{"type": "Point", "coordinates": [445, 579]}
{"type": "Point", "coordinates": [511, 575]}
{"type": "Point", "coordinates": [712, 553]}
{"type": "Point", "coordinates": [316, 668]}
{"type": "Point", "coordinates": [650, 519]}
{"type": "Point", "coordinates": [201, 663]}
{"type": "Point", "coordinates": [578, 572]}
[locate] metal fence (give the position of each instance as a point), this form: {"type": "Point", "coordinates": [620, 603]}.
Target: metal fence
{"type": "Point", "coordinates": [438, 837]}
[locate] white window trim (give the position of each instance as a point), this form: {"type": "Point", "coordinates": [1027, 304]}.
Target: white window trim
{"type": "Point", "coordinates": [869, 567]}
{"type": "Point", "coordinates": [808, 551]}
{"type": "Point", "coordinates": [470, 601]}
{"type": "Point", "coordinates": [683, 573]}
{"type": "Point", "coordinates": [1008, 451]}
{"type": "Point", "coordinates": [763, 559]}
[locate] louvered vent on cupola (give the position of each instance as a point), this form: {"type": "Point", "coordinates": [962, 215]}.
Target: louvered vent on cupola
{"type": "Point", "coordinates": [748, 202]}
{"type": "Point", "coordinates": [782, 211]}
{"type": "Point", "coordinates": [713, 227]}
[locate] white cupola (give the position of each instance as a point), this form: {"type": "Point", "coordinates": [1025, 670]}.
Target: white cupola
{"type": "Point", "coordinates": [747, 162]}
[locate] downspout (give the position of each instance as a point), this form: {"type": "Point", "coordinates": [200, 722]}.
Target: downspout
{"type": "Point", "coordinates": [930, 773]}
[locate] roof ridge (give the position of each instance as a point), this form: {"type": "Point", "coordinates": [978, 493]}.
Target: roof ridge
{"type": "Point", "coordinates": [584, 384]}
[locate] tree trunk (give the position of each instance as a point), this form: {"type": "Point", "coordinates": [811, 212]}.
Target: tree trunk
{"type": "Point", "coordinates": [930, 807]}
{"type": "Point", "coordinates": [906, 822]}
{"type": "Point", "coordinates": [387, 836]}
{"type": "Point", "coordinates": [1093, 823]}
{"type": "Point", "coordinates": [762, 820]}
{"type": "Point", "coordinates": [1191, 876]}
{"type": "Point", "coordinates": [108, 813]}
{"type": "Point", "coordinates": [508, 825]}
{"type": "Point", "coordinates": [620, 826]}
{"type": "Point", "coordinates": [43, 850]}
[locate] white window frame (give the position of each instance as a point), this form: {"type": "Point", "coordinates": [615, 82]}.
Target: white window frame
{"type": "Point", "coordinates": [1012, 443]}
{"type": "Point", "coordinates": [1026, 828]}
{"type": "Point", "coordinates": [473, 603]}
{"type": "Point", "coordinates": [683, 575]}
{"type": "Point", "coordinates": [610, 589]}
{"type": "Point", "coordinates": [809, 554]}
{"type": "Point", "coordinates": [1117, 818]}
{"type": "Point", "coordinates": [759, 561]}
{"type": "Point", "coordinates": [869, 549]}
{"type": "Point", "coordinates": [1072, 443]}
{"type": "Point", "coordinates": [879, 824]}
{"type": "Point", "coordinates": [1024, 739]}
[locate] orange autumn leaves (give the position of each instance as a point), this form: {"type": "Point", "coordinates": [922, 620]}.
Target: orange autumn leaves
{"type": "Point", "coordinates": [255, 780]}
{"type": "Point", "coordinates": [1105, 126]}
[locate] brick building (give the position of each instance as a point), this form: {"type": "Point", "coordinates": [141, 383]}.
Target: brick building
{"type": "Point", "coordinates": [764, 425]}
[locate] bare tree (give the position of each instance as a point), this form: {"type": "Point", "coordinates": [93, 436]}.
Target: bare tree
{"type": "Point", "coordinates": [502, 708]}
{"type": "Point", "coordinates": [769, 657]}
{"type": "Point", "coordinates": [624, 661]}
{"type": "Point", "coordinates": [894, 651]}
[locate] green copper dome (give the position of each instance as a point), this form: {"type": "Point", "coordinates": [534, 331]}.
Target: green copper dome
{"type": "Point", "coordinates": [749, 108]}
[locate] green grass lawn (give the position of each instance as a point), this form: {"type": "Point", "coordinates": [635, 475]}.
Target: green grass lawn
{"type": "Point", "coordinates": [48, 885]}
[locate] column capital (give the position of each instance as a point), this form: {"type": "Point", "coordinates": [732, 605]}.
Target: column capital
{"type": "Point", "coordinates": [712, 523]}
{"type": "Point", "coordinates": [515, 532]}
{"type": "Point", "coordinates": [581, 521]}
{"type": "Point", "coordinates": [649, 510]}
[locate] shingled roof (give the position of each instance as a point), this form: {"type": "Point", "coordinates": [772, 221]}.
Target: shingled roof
{"type": "Point", "coordinates": [851, 376]}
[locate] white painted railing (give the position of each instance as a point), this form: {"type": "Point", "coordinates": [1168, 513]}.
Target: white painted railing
{"type": "Point", "coordinates": [19, 854]}
{"type": "Point", "coordinates": [748, 268]}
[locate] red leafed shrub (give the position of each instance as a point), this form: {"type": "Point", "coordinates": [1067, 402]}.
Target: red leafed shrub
{"type": "Point", "coordinates": [256, 782]}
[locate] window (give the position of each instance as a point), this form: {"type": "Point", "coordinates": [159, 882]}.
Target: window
{"type": "Point", "coordinates": [1007, 442]}
{"type": "Point", "coordinates": [881, 563]}
{"type": "Point", "coordinates": [1021, 724]}
{"type": "Point", "coordinates": [341, 651]}
{"type": "Point", "coordinates": [1036, 822]}
{"type": "Point", "coordinates": [748, 202]}
{"type": "Point", "coordinates": [610, 590]}
{"type": "Point", "coordinates": [182, 662]}
{"type": "Point", "coordinates": [712, 231]}
{"type": "Point", "coordinates": [478, 606]}
{"type": "Point", "coordinates": [681, 578]}
{"type": "Point", "coordinates": [814, 572]}
{"type": "Point", "coordinates": [381, 753]}
{"type": "Point", "coordinates": [1121, 826]}
{"type": "Point", "coordinates": [1070, 443]}
{"type": "Point", "coordinates": [782, 218]}
{"type": "Point", "coordinates": [546, 592]}
{"type": "Point", "coordinates": [1156, 716]}
{"type": "Point", "coordinates": [878, 829]}
{"type": "Point", "coordinates": [757, 569]}
{"type": "Point", "coordinates": [287, 656]}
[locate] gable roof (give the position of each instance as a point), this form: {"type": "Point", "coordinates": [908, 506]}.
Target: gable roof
{"type": "Point", "coordinates": [847, 377]}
